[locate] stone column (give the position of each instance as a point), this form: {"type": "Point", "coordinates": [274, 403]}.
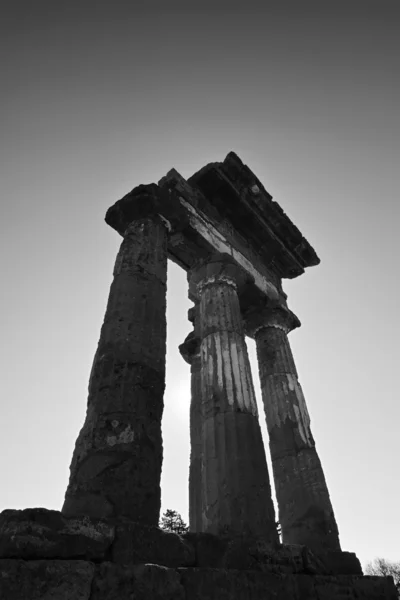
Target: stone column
{"type": "Point", "coordinates": [116, 465]}
{"type": "Point", "coordinates": [305, 510]}
{"type": "Point", "coordinates": [236, 493]}
{"type": "Point", "coordinates": [190, 351]}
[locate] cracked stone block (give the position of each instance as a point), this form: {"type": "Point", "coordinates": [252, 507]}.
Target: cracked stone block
{"type": "Point", "coordinates": [254, 554]}
{"type": "Point", "coordinates": [210, 549]}
{"type": "Point", "coordinates": [339, 588]}
{"type": "Point", "coordinates": [45, 579]}
{"type": "Point", "coordinates": [116, 465]}
{"type": "Point", "coordinates": [140, 582]}
{"type": "Point", "coordinates": [221, 584]}
{"type": "Point", "coordinates": [341, 563]}
{"type": "Point", "coordinates": [38, 533]}
{"type": "Point", "coordinates": [375, 588]}
{"type": "Point", "coordinates": [353, 587]}
{"type": "Point", "coordinates": [136, 543]}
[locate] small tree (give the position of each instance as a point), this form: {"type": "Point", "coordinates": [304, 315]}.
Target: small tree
{"type": "Point", "coordinates": [173, 522]}
{"type": "Point", "coordinates": [383, 568]}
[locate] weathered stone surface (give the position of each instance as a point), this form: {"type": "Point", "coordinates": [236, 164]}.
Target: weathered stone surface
{"type": "Point", "coordinates": [196, 422]}
{"type": "Point", "coordinates": [340, 588]}
{"type": "Point", "coordinates": [305, 510]}
{"type": "Point", "coordinates": [341, 563]}
{"type": "Point", "coordinates": [82, 580]}
{"type": "Point", "coordinates": [135, 543]}
{"type": "Point", "coordinates": [220, 584]}
{"type": "Point", "coordinates": [234, 193]}
{"type": "Point", "coordinates": [116, 466]}
{"type": "Point", "coordinates": [140, 582]}
{"type": "Point", "coordinates": [312, 563]}
{"type": "Point", "coordinates": [257, 555]}
{"type": "Point", "coordinates": [200, 238]}
{"type": "Point", "coordinates": [45, 579]}
{"type": "Point", "coordinates": [209, 549]}
{"type": "Point", "coordinates": [190, 351]}
{"type": "Point", "coordinates": [374, 588]}
{"type": "Point", "coordinates": [38, 533]}
{"type": "Point", "coordinates": [236, 494]}
{"type": "Point", "coordinates": [353, 587]}
{"type": "Point", "coordinates": [261, 556]}
{"type": "Point", "coordinates": [145, 200]}
{"type": "Point", "coordinates": [215, 233]}
{"type": "Point", "coordinates": [254, 554]}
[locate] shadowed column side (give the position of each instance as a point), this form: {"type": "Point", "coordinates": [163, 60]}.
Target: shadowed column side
{"type": "Point", "coordinates": [190, 351]}
{"type": "Point", "coordinates": [305, 510]}
{"type": "Point", "coordinates": [236, 493]}
{"type": "Point", "coordinates": [116, 465]}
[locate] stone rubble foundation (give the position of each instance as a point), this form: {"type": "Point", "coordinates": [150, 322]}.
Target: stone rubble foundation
{"type": "Point", "coordinates": [47, 556]}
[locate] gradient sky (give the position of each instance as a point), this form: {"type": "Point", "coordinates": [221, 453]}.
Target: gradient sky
{"type": "Point", "coordinates": [98, 97]}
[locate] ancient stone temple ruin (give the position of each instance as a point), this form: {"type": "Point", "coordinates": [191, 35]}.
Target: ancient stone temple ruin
{"type": "Point", "coordinates": [236, 245]}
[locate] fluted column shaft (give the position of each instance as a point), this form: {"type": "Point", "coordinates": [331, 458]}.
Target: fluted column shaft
{"type": "Point", "coordinates": [116, 465]}
{"type": "Point", "coordinates": [190, 351]}
{"type": "Point", "coordinates": [305, 510]}
{"type": "Point", "coordinates": [235, 487]}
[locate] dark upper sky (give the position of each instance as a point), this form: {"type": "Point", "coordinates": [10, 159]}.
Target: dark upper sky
{"type": "Point", "coordinates": [98, 97]}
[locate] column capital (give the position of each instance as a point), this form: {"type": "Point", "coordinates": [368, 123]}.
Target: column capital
{"type": "Point", "coordinates": [218, 268]}
{"type": "Point", "coordinates": [147, 201]}
{"type": "Point", "coordinates": [277, 316]}
{"type": "Point", "coordinates": [190, 348]}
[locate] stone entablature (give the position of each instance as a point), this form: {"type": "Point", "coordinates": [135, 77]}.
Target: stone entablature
{"type": "Point", "coordinates": [238, 195]}
{"type": "Point", "coordinates": [243, 215]}
{"type": "Point", "coordinates": [206, 232]}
